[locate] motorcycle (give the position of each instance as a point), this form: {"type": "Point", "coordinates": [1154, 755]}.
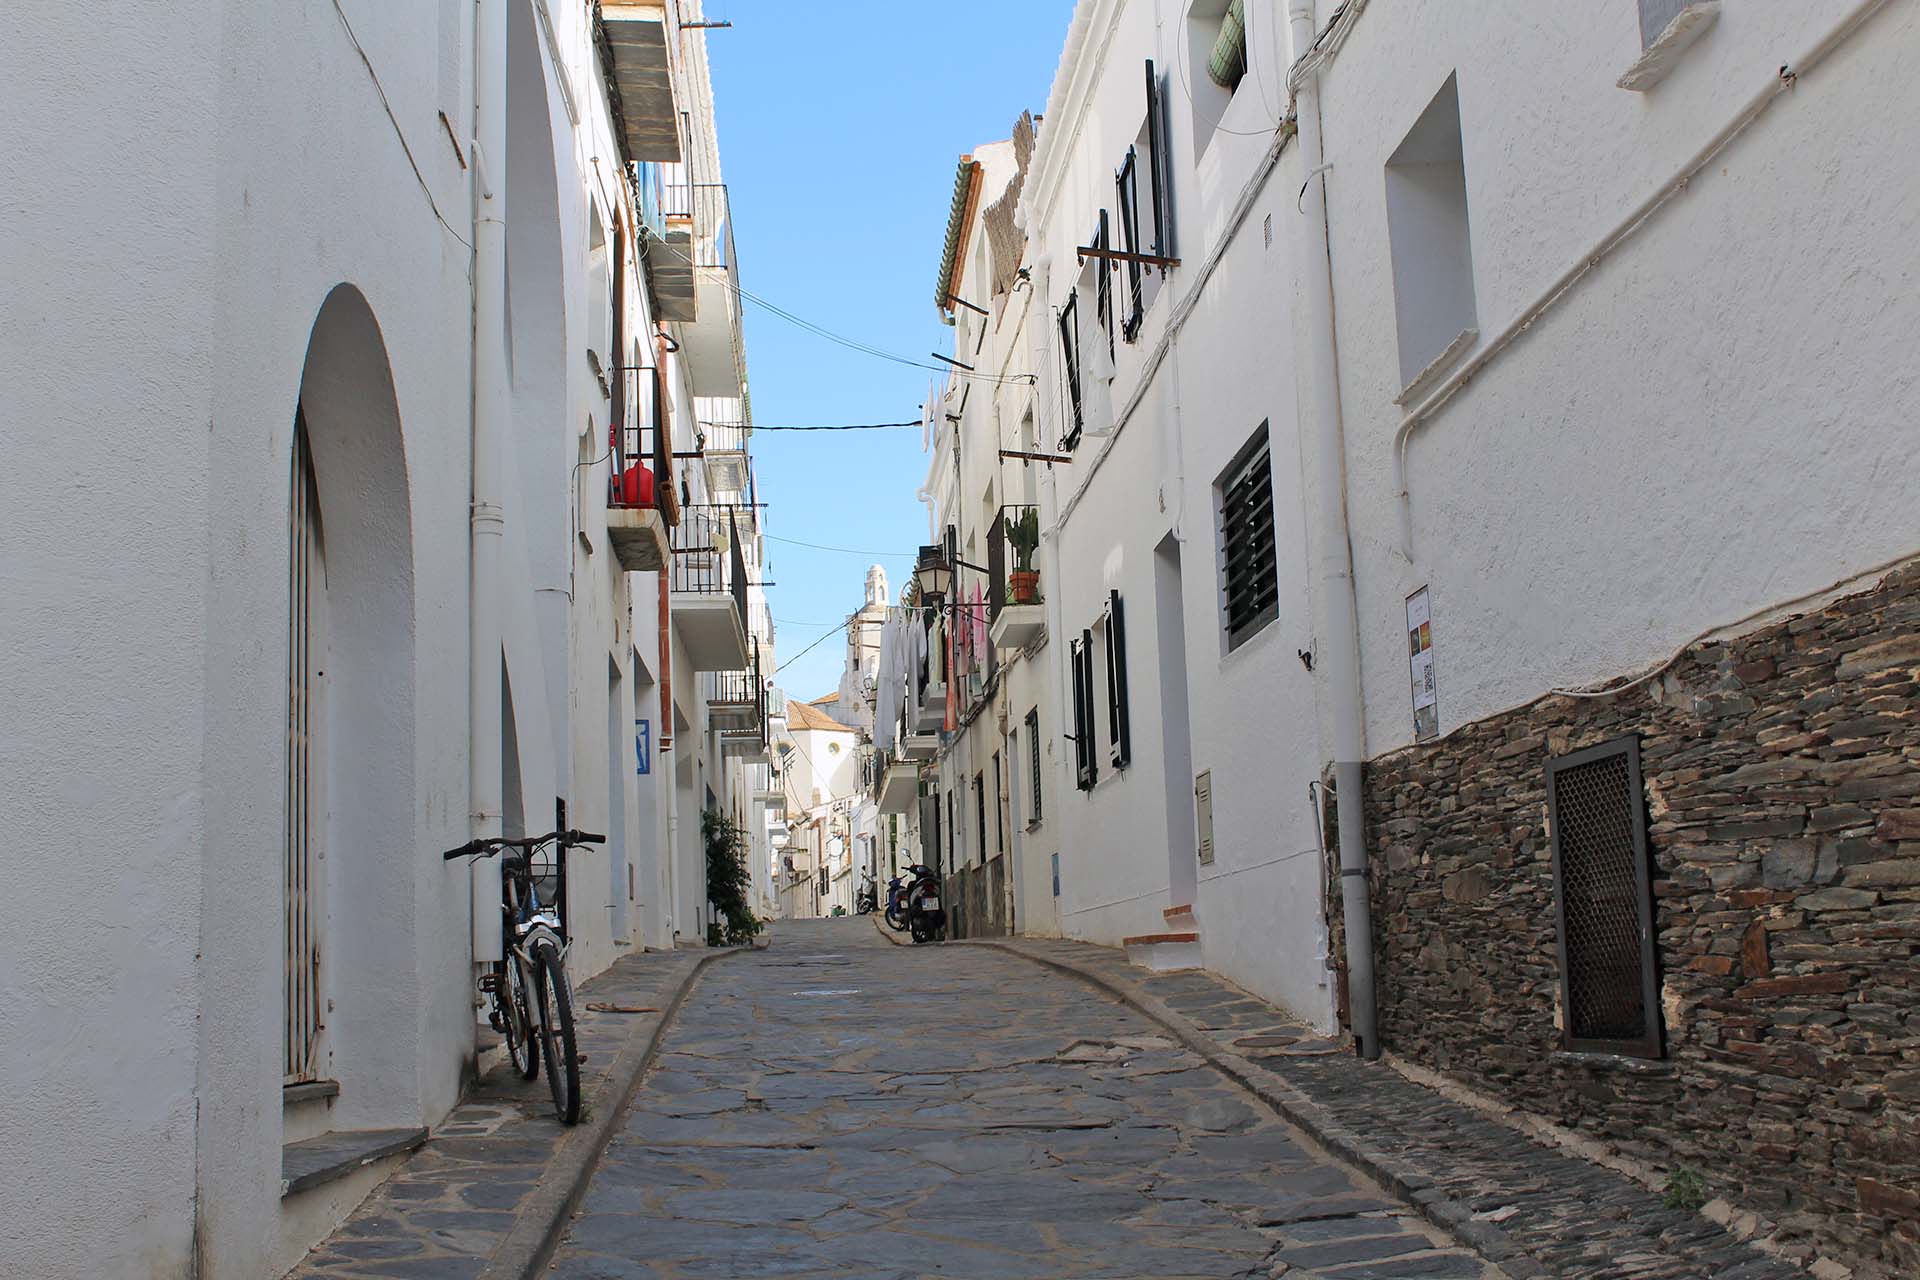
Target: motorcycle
{"type": "Point", "coordinates": [868, 899]}
{"type": "Point", "coordinates": [913, 905]}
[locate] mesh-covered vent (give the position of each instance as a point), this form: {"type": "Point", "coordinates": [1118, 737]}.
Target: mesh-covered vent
{"type": "Point", "coordinates": [1600, 878]}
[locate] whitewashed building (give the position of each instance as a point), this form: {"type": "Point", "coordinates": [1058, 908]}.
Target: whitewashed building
{"type": "Point", "coordinates": [403, 377]}
{"type": "Point", "coordinates": [1482, 544]}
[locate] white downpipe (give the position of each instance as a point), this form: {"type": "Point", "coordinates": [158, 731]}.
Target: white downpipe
{"type": "Point", "coordinates": [490, 410]}
{"type": "Point", "coordinates": [1340, 655]}
{"type": "Point", "coordinates": [1782, 81]}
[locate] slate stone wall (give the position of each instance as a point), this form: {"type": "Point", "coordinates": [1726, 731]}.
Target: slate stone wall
{"type": "Point", "coordinates": [976, 900]}
{"type": "Point", "coordinates": [1782, 776]}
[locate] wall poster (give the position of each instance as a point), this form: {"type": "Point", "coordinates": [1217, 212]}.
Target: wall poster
{"type": "Point", "coordinates": [643, 747]}
{"type": "Point", "coordinates": [1426, 712]}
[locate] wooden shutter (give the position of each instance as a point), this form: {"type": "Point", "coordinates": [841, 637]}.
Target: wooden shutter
{"type": "Point", "coordinates": [1249, 573]}
{"type": "Point", "coordinates": [1102, 274]}
{"type": "Point", "coordinates": [1127, 185]}
{"type": "Point", "coordinates": [1117, 727]}
{"type": "Point", "coordinates": [1070, 360]}
{"type": "Point", "coordinates": [1081, 652]}
{"type": "Point", "coordinates": [1157, 167]}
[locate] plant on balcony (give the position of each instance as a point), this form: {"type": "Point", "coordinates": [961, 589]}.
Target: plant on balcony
{"type": "Point", "coordinates": [1024, 534]}
{"type": "Point", "coordinates": [727, 881]}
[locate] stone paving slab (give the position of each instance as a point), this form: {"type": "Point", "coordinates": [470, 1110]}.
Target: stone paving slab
{"type": "Point", "coordinates": [836, 1107]}
{"type": "Point", "coordinates": [1537, 1210]}
{"type": "Point", "coordinates": [491, 1186]}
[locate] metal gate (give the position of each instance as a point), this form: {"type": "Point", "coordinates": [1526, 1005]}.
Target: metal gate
{"type": "Point", "coordinates": [307, 578]}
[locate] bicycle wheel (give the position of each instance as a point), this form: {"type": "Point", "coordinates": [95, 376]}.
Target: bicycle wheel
{"type": "Point", "coordinates": [516, 1011]}
{"type": "Point", "coordinates": [556, 1033]}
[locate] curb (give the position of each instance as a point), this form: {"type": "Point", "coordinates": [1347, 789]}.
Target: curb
{"type": "Point", "coordinates": [524, 1251]}
{"type": "Point", "coordinates": [1415, 1188]}
{"type": "Point", "coordinates": [880, 923]}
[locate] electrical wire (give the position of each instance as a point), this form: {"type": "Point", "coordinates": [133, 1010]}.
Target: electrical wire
{"type": "Point", "coordinates": [851, 551]}
{"type": "Point", "coordinates": [851, 344]}
{"type": "Point", "coordinates": [845, 426]}
{"type": "Point", "coordinates": [810, 648]}
{"type": "Point", "coordinates": [395, 122]}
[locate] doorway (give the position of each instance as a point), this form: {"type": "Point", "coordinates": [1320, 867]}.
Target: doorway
{"type": "Point", "coordinates": [1183, 867]}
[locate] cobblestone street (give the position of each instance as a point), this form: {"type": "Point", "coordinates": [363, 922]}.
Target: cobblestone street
{"type": "Point", "coordinates": [836, 1106]}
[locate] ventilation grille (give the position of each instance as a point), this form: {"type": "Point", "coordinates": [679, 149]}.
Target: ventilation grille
{"type": "Point", "coordinates": [1604, 899]}
{"type": "Point", "coordinates": [1251, 584]}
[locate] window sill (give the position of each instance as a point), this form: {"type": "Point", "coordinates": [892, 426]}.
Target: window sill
{"type": "Point", "coordinates": [1660, 57]}
{"type": "Point", "coordinates": [1614, 1062]}
{"type": "Point", "coordinates": [1429, 377]}
{"type": "Point", "coordinates": [1035, 825]}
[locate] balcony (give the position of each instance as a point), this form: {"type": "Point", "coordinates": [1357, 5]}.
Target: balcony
{"type": "Point", "coordinates": [931, 716]}
{"type": "Point", "coordinates": [713, 345]}
{"type": "Point", "coordinates": [748, 746]}
{"type": "Point", "coordinates": [736, 700]}
{"type": "Point", "coordinates": [920, 746]}
{"type": "Point", "coordinates": [708, 589]}
{"type": "Point", "coordinates": [634, 40]}
{"type": "Point", "coordinates": [641, 504]}
{"type": "Point", "coordinates": [899, 787]}
{"type": "Point", "coordinates": [1017, 616]}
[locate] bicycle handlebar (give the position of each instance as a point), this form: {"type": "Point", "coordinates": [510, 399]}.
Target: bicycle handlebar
{"type": "Point", "coordinates": [473, 847]}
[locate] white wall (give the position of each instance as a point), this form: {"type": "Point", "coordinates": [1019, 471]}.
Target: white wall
{"type": "Point", "coordinates": [1713, 421]}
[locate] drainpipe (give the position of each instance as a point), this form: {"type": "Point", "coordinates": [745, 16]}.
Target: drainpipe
{"type": "Point", "coordinates": [1340, 656]}
{"type": "Point", "coordinates": [490, 425]}
{"type": "Point", "coordinates": [661, 421]}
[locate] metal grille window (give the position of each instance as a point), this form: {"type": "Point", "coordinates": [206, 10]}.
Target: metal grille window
{"type": "Point", "coordinates": [1604, 900]}
{"type": "Point", "coordinates": [1250, 589]}
{"type": "Point", "coordinates": [980, 813]}
{"type": "Point", "coordinates": [1033, 763]}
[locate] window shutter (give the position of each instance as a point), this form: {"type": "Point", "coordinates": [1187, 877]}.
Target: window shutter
{"type": "Point", "coordinates": [1103, 274]}
{"type": "Point", "coordinates": [1127, 185]}
{"type": "Point", "coordinates": [1117, 682]}
{"type": "Point", "coordinates": [1157, 167]}
{"type": "Point", "coordinates": [1603, 897]}
{"type": "Point", "coordinates": [1249, 570]}
{"type": "Point", "coordinates": [1070, 360]}
{"type": "Point", "coordinates": [1033, 754]}
{"type": "Point", "coordinates": [1079, 716]}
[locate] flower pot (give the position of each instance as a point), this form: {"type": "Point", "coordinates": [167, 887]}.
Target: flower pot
{"type": "Point", "coordinates": [1025, 584]}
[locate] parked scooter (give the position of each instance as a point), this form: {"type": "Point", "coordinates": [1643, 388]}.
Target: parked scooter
{"type": "Point", "coordinates": [913, 904]}
{"type": "Point", "coordinates": [868, 899]}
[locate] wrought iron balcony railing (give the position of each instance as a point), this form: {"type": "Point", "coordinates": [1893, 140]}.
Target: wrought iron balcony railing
{"type": "Point", "coordinates": [1013, 565]}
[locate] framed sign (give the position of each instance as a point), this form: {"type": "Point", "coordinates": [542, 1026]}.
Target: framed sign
{"type": "Point", "coordinates": [1426, 713]}
{"type": "Point", "coordinates": [643, 747]}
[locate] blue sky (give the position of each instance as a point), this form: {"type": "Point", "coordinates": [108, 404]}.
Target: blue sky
{"type": "Point", "coordinates": [840, 127]}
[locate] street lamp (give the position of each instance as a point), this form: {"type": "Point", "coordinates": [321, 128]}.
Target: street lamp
{"type": "Point", "coordinates": [933, 574]}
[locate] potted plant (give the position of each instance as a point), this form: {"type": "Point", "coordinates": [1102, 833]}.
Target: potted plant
{"type": "Point", "coordinates": [1024, 533]}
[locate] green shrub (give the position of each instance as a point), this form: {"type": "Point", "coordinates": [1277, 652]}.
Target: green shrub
{"type": "Point", "coordinates": [1684, 1189]}
{"type": "Point", "coordinates": [727, 881]}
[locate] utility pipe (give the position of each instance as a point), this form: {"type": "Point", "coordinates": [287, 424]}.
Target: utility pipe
{"type": "Point", "coordinates": [490, 425]}
{"type": "Point", "coordinates": [1340, 656]}
{"type": "Point", "coordinates": [1782, 81]}
{"type": "Point", "coordinates": [663, 483]}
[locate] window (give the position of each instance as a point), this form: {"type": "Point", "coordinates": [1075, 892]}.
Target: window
{"type": "Point", "coordinates": [980, 813]}
{"type": "Point", "coordinates": [1070, 363]}
{"type": "Point", "coordinates": [1249, 585]}
{"type": "Point", "coordinates": [1056, 875]}
{"type": "Point", "coordinates": [1033, 763]}
{"type": "Point", "coordinates": [1603, 898]}
{"type": "Point", "coordinates": [1086, 771]}
{"type": "Point", "coordinates": [1432, 250]}
{"type": "Point", "coordinates": [1119, 734]}
{"type": "Point", "coordinates": [1216, 62]}
{"type": "Point", "coordinates": [1103, 283]}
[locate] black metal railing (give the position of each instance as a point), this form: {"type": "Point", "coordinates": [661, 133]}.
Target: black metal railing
{"type": "Point", "coordinates": [642, 471]}
{"type": "Point", "coordinates": [1013, 562]}
{"type": "Point", "coordinates": [707, 559]}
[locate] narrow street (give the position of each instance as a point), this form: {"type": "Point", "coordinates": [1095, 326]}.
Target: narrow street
{"type": "Point", "coordinates": [834, 1105]}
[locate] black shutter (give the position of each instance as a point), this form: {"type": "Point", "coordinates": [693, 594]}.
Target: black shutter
{"type": "Point", "coordinates": [1249, 569]}
{"type": "Point", "coordinates": [1117, 682]}
{"type": "Point", "coordinates": [1081, 653]}
{"type": "Point", "coordinates": [1103, 271]}
{"type": "Point", "coordinates": [1127, 184]}
{"type": "Point", "coordinates": [1070, 359]}
{"type": "Point", "coordinates": [1157, 168]}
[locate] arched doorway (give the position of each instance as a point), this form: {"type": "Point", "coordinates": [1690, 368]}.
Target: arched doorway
{"type": "Point", "coordinates": [349, 824]}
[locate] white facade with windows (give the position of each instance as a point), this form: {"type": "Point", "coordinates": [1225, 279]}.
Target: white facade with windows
{"type": "Point", "coordinates": [239, 887]}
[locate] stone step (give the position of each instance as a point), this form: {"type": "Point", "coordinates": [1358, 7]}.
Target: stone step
{"type": "Point", "coordinates": [1163, 952]}
{"type": "Point", "coordinates": [314, 1162]}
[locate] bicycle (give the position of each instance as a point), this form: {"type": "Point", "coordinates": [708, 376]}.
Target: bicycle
{"type": "Point", "coordinates": [534, 947]}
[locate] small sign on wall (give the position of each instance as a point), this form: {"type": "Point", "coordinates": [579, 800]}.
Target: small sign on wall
{"type": "Point", "coordinates": [643, 747]}
{"type": "Point", "coordinates": [1203, 815]}
{"type": "Point", "coordinates": [1426, 712]}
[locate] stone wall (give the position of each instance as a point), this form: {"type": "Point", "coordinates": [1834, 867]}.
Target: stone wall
{"type": "Point", "coordinates": [977, 900]}
{"type": "Point", "coordinates": [1782, 775]}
